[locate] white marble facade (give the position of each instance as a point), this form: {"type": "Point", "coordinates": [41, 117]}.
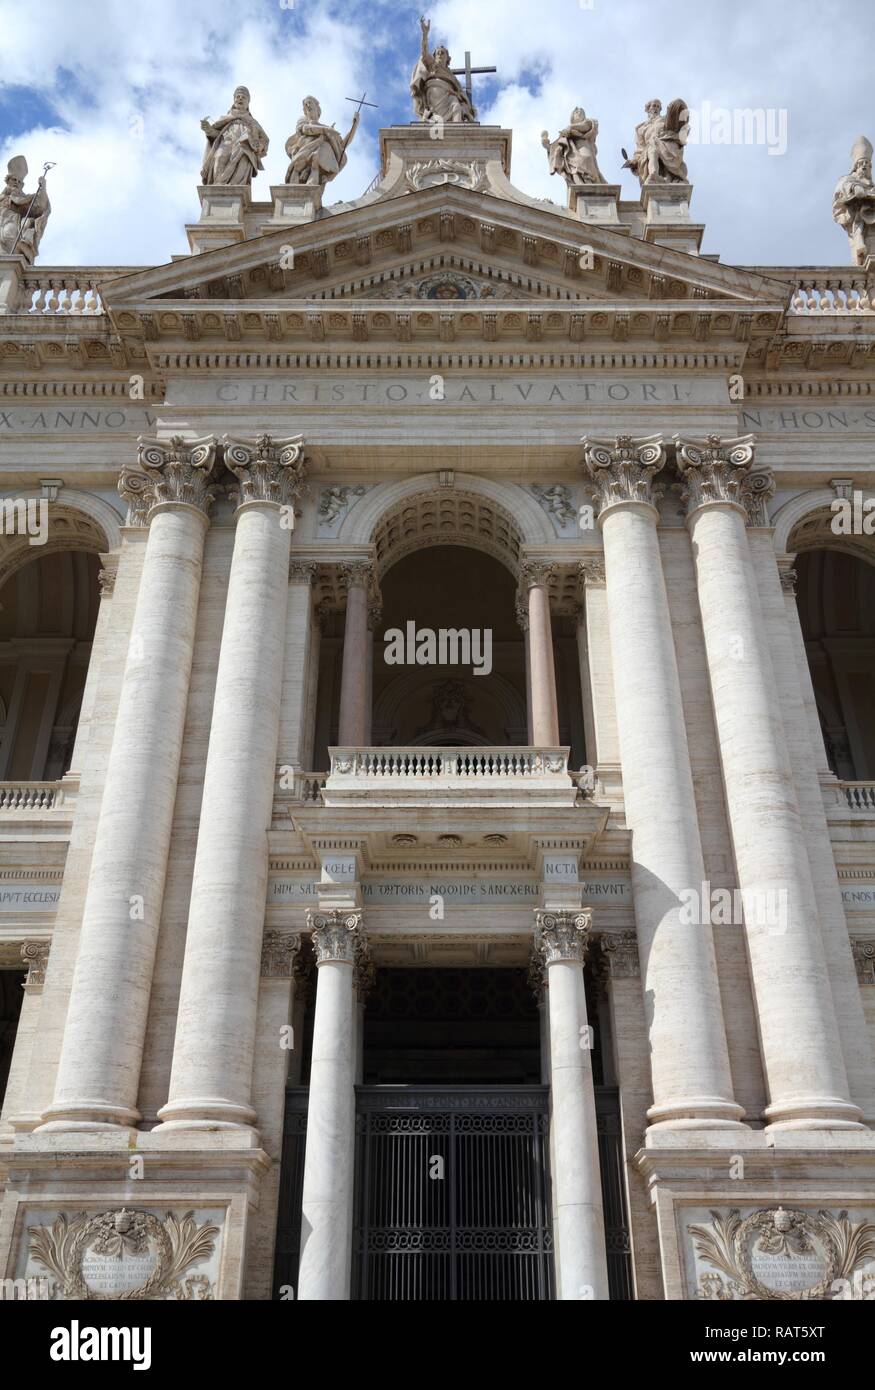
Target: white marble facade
{"type": "Point", "coordinates": [250, 440]}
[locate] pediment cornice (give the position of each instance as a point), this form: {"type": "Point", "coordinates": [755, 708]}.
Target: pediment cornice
{"type": "Point", "coordinates": [357, 249]}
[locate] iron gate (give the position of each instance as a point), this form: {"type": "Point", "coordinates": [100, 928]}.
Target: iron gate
{"type": "Point", "coordinates": [452, 1199]}
{"type": "Point", "coordinates": [495, 1228]}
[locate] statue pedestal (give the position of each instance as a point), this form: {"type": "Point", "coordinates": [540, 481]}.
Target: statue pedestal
{"type": "Point", "coordinates": [12, 269]}
{"type": "Point", "coordinates": [667, 220]}
{"type": "Point", "coordinates": [597, 202]}
{"type": "Point", "coordinates": [293, 204]}
{"type": "Point", "coordinates": [424, 154]}
{"type": "Point", "coordinates": [223, 216]}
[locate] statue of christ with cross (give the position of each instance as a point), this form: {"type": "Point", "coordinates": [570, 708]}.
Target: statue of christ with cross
{"type": "Point", "coordinates": [438, 95]}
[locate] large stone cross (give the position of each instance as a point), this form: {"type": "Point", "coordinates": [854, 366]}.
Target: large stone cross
{"type": "Point", "coordinates": [469, 73]}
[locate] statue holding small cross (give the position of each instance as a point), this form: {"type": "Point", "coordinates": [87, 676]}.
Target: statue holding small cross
{"type": "Point", "coordinates": [438, 95]}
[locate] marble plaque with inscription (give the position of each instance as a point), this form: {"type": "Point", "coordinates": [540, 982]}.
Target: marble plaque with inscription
{"type": "Point", "coordinates": [784, 1252]}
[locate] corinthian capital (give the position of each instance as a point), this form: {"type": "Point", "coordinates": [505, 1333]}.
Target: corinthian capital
{"type": "Point", "coordinates": [356, 572]}
{"type": "Point", "coordinates": [138, 490]}
{"type": "Point", "coordinates": [563, 935]}
{"type": "Point", "coordinates": [270, 470]}
{"type": "Point", "coordinates": [180, 469]}
{"type": "Point", "coordinates": [622, 469]}
{"type": "Point", "coordinates": [534, 572]}
{"type": "Point", "coordinates": [337, 935]}
{"type": "Point", "coordinates": [720, 470]}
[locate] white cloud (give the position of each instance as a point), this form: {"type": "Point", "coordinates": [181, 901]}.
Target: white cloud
{"type": "Point", "coordinates": [120, 199]}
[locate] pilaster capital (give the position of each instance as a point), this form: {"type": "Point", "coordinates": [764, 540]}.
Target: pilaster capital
{"type": "Point", "coordinates": [337, 935]}
{"type": "Point", "coordinates": [303, 572]}
{"type": "Point", "coordinates": [137, 489]}
{"type": "Point", "coordinates": [620, 950]}
{"type": "Point", "coordinates": [356, 573]}
{"type": "Point", "coordinates": [863, 948]}
{"type": "Point", "coordinates": [592, 573]}
{"type": "Point", "coordinates": [563, 935]}
{"type": "Point", "coordinates": [622, 469]}
{"type": "Point", "coordinates": [180, 470]}
{"type": "Point", "coordinates": [375, 614]}
{"type": "Point", "coordinates": [787, 575]}
{"type": "Point", "coordinates": [107, 575]}
{"type": "Point", "coordinates": [279, 950]}
{"type": "Point", "coordinates": [35, 954]}
{"type": "Point", "coordinates": [269, 470]}
{"type": "Point", "coordinates": [521, 609]}
{"type": "Point", "coordinates": [718, 470]}
{"type": "Point", "coordinates": [535, 573]}
{"type": "Point", "coordinates": [364, 971]}
{"type": "Point", "coordinates": [536, 977]}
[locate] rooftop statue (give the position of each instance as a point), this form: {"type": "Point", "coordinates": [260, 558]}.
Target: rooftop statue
{"type": "Point", "coordinates": [317, 152]}
{"type": "Point", "coordinates": [573, 153]}
{"type": "Point", "coordinates": [438, 95]}
{"type": "Point", "coordinates": [235, 144]}
{"type": "Point", "coordinates": [659, 144]}
{"type": "Point", "coordinates": [853, 203]}
{"type": "Point", "coordinates": [23, 216]}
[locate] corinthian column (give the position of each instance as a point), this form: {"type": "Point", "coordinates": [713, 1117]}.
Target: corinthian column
{"type": "Point", "coordinates": [562, 939]}
{"type": "Point", "coordinates": [535, 576]}
{"type": "Point", "coordinates": [802, 1053]}
{"type": "Point", "coordinates": [99, 1069]}
{"type": "Point", "coordinates": [692, 1084]}
{"type": "Point", "coordinates": [354, 689]}
{"type": "Point", "coordinates": [326, 1242]}
{"type": "Point", "coordinates": [211, 1078]}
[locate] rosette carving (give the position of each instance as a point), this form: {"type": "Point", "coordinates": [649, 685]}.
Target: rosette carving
{"type": "Point", "coordinates": [269, 470]}
{"type": "Point", "coordinates": [720, 470]}
{"type": "Point", "coordinates": [622, 469]}
{"type": "Point", "coordinates": [337, 935]}
{"type": "Point", "coordinates": [563, 935]}
{"type": "Point", "coordinates": [180, 469]}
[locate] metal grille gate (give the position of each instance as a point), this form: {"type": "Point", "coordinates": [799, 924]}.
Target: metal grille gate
{"type": "Point", "coordinates": [452, 1198]}
{"type": "Point", "coordinates": [486, 1232]}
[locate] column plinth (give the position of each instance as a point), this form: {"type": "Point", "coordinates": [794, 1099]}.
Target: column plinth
{"type": "Point", "coordinates": [211, 1077]}
{"type": "Point", "coordinates": [99, 1068]}
{"type": "Point", "coordinates": [692, 1082]}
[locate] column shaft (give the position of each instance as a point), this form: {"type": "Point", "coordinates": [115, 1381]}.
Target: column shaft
{"type": "Point", "coordinates": [211, 1077]}
{"type": "Point", "coordinates": [99, 1068]}
{"type": "Point", "coordinates": [692, 1082]}
{"type": "Point", "coordinates": [802, 1053]}
{"type": "Point", "coordinates": [542, 670]}
{"type": "Point", "coordinates": [582, 1267]}
{"type": "Point", "coordinates": [327, 1208]}
{"type": "Point", "coordinates": [354, 716]}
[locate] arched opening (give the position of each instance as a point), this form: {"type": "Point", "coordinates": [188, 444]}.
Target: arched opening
{"type": "Point", "coordinates": [48, 612]}
{"type": "Point", "coordinates": [836, 599]}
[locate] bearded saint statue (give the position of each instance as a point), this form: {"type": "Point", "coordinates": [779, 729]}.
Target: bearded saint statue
{"type": "Point", "coordinates": [438, 95]}
{"type": "Point", "coordinates": [235, 144]}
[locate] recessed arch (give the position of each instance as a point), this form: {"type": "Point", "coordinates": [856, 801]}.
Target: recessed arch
{"type": "Point", "coordinates": [77, 521]}
{"type": "Point", "coordinates": [497, 517]}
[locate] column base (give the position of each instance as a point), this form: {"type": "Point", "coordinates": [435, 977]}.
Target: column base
{"type": "Point", "coordinates": [205, 1112]}
{"type": "Point", "coordinates": [88, 1115]}
{"type": "Point", "coordinates": [819, 1112]}
{"type": "Point", "coordinates": [696, 1112]}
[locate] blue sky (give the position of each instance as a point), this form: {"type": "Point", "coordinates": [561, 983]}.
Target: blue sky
{"type": "Point", "coordinates": [114, 92]}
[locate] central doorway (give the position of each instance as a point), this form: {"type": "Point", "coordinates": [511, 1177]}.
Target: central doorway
{"type": "Point", "coordinates": [452, 1174]}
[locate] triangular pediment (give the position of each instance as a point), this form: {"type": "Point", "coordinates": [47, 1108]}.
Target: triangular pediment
{"type": "Point", "coordinates": [449, 251]}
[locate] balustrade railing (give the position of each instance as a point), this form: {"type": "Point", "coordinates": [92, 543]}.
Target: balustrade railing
{"type": "Point", "coordinates": [847, 295]}
{"type": "Point", "coordinates": [860, 796]}
{"type": "Point", "coordinates": [423, 764]}
{"type": "Point", "coordinates": [63, 291]}
{"type": "Point", "coordinates": [31, 796]}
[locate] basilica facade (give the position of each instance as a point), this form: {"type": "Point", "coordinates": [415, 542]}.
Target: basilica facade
{"type": "Point", "coordinates": [437, 683]}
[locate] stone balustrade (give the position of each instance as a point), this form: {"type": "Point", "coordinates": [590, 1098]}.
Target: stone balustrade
{"type": "Point", "coordinates": [860, 796]}
{"type": "Point", "coordinates": [849, 295]}
{"type": "Point", "coordinates": [32, 796]}
{"type": "Point", "coordinates": [400, 776]}
{"type": "Point", "coordinates": [66, 290]}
